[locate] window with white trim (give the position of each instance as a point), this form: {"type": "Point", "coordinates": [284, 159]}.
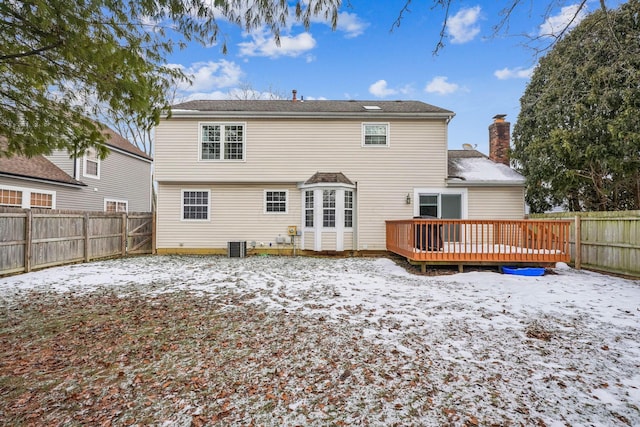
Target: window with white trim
{"type": "Point", "coordinates": [375, 134]}
{"type": "Point", "coordinates": [222, 141]}
{"type": "Point", "coordinates": [275, 201]}
{"type": "Point", "coordinates": [429, 205]}
{"type": "Point", "coordinates": [116, 205]}
{"type": "Point", "coordinates": [26, 198]}
{"type": "Point", "coordinates": [348, 208]}
{"type": "Point", "coordinates": [308, 208]}
{"type": "Point", "coordinates": [195, 205]}
{"type": "Point", "coordinates": [41, 200]}
{"type": "Point", "coordinates": [329, 208]}
{"type": "Point", "coordinates": [9, 197]}
{"type": "Point", "coordinates": [91, 164]}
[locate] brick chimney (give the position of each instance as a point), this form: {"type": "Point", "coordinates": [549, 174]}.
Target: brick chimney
{"type": "Point", "coordinates": [295, 92]}
{"type": "Point", "coordinates": [499, 139]}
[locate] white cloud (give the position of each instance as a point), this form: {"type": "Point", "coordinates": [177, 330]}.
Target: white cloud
{"type": "Point", "coordinates": [264, 44]}
{"type": "Point", "coordinates": [207, 76]}
{"type": "Point", "coordinates": [381, 90]}
{"type": "Point", "coordinates": [351, 24]}
{"type": "Point", "coordinates": [440, 86]}
{"type": "Point", "coordinates": [514, 73]}
{"type": "Point", "coordinates": [568, 17]}
{"type": "Point", "coordinates": [462, 26]}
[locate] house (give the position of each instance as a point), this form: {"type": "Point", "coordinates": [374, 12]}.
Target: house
{"type": "Point", "coordinates": [119, 183]}
{"type": "Point", "coordinates": [327, 174]}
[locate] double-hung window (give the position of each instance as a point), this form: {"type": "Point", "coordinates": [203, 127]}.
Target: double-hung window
{"type": "Point", "coordinates": [308, 208]}
{"type": "Point", "coordinates": [115, 205]}
{"type": "Point", "coordinates": [375, 134]}
{"type": "Point", "coordinates": [329, 208]}
{"type": "Point", "coordinates": [275, 201]}
{"type": "Point", "coordinates": [222, 141]}
{"type": "Point", "coordinates": [91, 164]}
{"type": "Point", "coordinates": [348, 208]}
{"type": "Point", "coordinates": [195, 205]}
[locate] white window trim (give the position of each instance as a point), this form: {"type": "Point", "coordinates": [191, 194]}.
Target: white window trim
{"type": "Point", "coordinates": [286, 202]}
{"type": "Point", "coordinates": [84, 167]}
{"type": "Point", "coordinates": [244, 142]}
{"type": "Point", "coordinates": [182, 218]}
{"type": "Point", "coordinates": [126, 202]}
{"type": "Point", "coordinates": [388, 126]}
{"type": "Point", "coordinates": [437, 192]}
{"type": "Point", "coordinates": [26, 196]}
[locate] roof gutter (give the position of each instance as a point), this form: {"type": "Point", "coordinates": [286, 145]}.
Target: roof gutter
{"type": "Point", "coordinates": [195, 114]}
{"type": "Point", "coordinates": [462, 183]}
{"type": "Point", "coordinates": [43, 180]}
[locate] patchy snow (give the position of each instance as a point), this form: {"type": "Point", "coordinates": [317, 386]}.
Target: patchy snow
{"type": "Point", "coordinates": [560, 349]}
{"type": "Point", "coordinates": [481, 169]}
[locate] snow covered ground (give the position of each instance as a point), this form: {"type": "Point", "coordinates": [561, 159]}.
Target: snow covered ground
{"type": "Point", "coordinates": [476, 348]}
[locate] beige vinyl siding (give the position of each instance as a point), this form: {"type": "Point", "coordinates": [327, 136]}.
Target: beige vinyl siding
{"type": "Point", "coordinates": [496, 202]}
{"type": "Point", "coordinates": [293, 150]}
{"type": "Point", "coordinates": [308, 240]}
{"type": "Point", "coordinates": [236, 213]}
{"type": "Point", "coordinates": [348, 241]}
{"type": "Point", "coordinates": [329, 241]}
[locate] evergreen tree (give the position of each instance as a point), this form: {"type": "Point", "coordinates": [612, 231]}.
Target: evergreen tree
{"type": "Point", "coordinates": [577, 137]}
{"type": "Point", "coordinates": [65, 64]}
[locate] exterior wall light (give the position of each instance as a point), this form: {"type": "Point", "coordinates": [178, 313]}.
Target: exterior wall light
{"type": "Point", "coordinates": [408, 199]}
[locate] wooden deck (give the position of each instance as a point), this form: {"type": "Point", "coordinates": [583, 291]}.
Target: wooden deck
{"type": "Point", "coordinates": [462, 241]}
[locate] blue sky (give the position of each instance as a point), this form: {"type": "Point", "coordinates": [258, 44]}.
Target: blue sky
{"type": "Point", "coordinates": [476, 75]}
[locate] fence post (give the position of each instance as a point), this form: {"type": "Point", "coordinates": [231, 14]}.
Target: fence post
{"type": "Point", "coordinates": [153, 232]}
{"type": "Point", "coordinates": [87, 242]}
{"type": "Point", "coordinates": [578, 243]}
{"type": "Point", "coordinates": [28, 224]}
{"type": "Point", "coordinates": [123, 248]}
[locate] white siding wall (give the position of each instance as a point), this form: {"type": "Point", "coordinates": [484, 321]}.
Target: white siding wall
{"type": "Point", "coordinates": [236, 213]}
{"type": "Point", "coordinates": [496, 202]}
{"type": "Point", "coordinates": [292, 151]}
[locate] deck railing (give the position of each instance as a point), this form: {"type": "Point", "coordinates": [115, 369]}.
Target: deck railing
{"type": "Point", "coordinates": [476, 241]}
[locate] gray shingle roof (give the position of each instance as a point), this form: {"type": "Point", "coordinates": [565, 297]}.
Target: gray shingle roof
{"type": "Point", "coordinates": [288, 107]}
{"type": "Point", "coordinates": [118, 141]}
{"type": "Point", "coordinates": [35, 167]}
{"type": "Point", "coordinates": [329, 178]}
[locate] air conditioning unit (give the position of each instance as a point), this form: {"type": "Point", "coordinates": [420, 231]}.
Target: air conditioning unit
{"type": "Point", "coordinates": [236, 249]}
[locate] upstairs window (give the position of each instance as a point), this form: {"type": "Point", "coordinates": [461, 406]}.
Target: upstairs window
{"type": "Point", "coordinates": [375, 134]}
{"type": "Point", "coordinates": [275, 201]}
{"type": "Point", "coordinates": [91, 164]}
{"type": "Point", "coordinates": [222, 141]}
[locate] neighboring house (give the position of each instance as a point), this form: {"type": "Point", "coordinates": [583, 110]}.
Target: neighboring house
{"type": "Point", "coordinates": [119, 183]}
{"type": "Point", "coordinates": [335, 170]}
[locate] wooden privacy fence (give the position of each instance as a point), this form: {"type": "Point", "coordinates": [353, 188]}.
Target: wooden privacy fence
{"type": "Point", "coordinates": [479, 241]}
{"type": "Point", "coordinates": [607, 241]}
{"type": "Point", "coordinates": [32, 239]}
